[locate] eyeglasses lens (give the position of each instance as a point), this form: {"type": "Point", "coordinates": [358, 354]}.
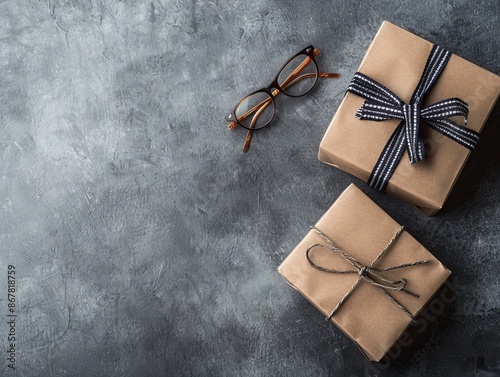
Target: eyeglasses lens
{"type": "Point", "coordinates": [255, 111]}
{"type": "Point", "coordinates": [298, 76]}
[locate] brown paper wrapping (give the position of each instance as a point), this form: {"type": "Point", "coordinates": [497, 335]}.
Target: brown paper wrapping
{"type": "Point", "coordinates": [362, 229]}
{"type": "Point", "coordinates": [396, 58]}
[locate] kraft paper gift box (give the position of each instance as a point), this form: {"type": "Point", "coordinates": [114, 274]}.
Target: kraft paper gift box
{"type": "Point", "coordinates": [396, 59]}
{"type": "Point", "coordinates": [373, 316]}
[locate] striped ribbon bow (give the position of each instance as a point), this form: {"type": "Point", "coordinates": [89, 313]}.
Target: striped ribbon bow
{"type": "Point", "coordinates": [382, 104]}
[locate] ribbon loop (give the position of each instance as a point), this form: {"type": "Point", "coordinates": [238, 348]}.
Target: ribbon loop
{"type": "Point", "coordinates": [369, 273]}
{"type": "Point", "coordinates": [382, 104]}
{"type": "Point", "coordinates": [368, 88]}
{"type": "Point", "coordinates": [445, 109]}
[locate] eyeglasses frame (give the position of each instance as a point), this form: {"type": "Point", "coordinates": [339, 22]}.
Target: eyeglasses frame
{"type": "Point", "coordinates": [274, 89]}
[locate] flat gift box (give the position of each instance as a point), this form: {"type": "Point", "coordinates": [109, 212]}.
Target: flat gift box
{"type": "Point", "coordinates": [355, 224]}
{"type": "Point", "coordinates": [396, 59]}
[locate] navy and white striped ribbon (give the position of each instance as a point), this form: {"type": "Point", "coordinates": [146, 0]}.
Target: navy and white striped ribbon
{"type": "Point", "coordinates": [382, 104]}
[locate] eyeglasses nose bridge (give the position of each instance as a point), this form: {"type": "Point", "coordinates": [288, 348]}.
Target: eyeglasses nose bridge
{"type": "Point", "coordinates": [274, 89]}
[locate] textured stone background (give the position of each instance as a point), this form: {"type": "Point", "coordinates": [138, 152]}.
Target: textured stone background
{"type": "Point", "coordinates": [146, 243]}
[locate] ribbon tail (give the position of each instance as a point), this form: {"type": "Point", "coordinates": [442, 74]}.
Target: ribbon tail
{"type": "Point", "coordinates": [388, 159]}
{"type": "Point", "coordinates": [414, 142]}
{"type": "Point", "coordinates": [379, 111]}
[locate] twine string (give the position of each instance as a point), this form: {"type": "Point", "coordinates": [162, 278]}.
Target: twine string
{"type": "Point", "coordinates": [370, 274]}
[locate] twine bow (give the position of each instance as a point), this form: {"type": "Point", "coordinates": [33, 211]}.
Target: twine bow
{"type": "Point", "coordinates": [370, 274]}
{"type": "Point", "coordinates": [382, 104]}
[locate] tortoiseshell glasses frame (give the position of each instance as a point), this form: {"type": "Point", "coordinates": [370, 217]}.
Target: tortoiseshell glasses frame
{"type": "Point", "coordinates": [297, 78]}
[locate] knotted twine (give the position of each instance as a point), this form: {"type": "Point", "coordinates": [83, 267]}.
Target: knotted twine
{"type": "Point", "coordinates": [382, 104]}
{"type": "Point", "coordinates": [370, 274]}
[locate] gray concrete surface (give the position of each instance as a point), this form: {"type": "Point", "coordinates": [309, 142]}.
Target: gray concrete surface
{"type": "Point", "coordinates": [146, 244]}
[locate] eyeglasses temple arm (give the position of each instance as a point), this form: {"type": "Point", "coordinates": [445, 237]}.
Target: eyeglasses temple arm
{"type": "Point", "coordinates": [301, 66]}
{"type": "Point", "coordinates": [246, 146]}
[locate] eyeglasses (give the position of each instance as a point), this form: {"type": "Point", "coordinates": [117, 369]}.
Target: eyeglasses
{"type": "Point", "coordinates": [297, 77]}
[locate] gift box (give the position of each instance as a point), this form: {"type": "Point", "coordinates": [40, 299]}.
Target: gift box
{"type": "Point", "coordinates": [410, 118]}
{"type": "Point", "coordinates": [363, 272]}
